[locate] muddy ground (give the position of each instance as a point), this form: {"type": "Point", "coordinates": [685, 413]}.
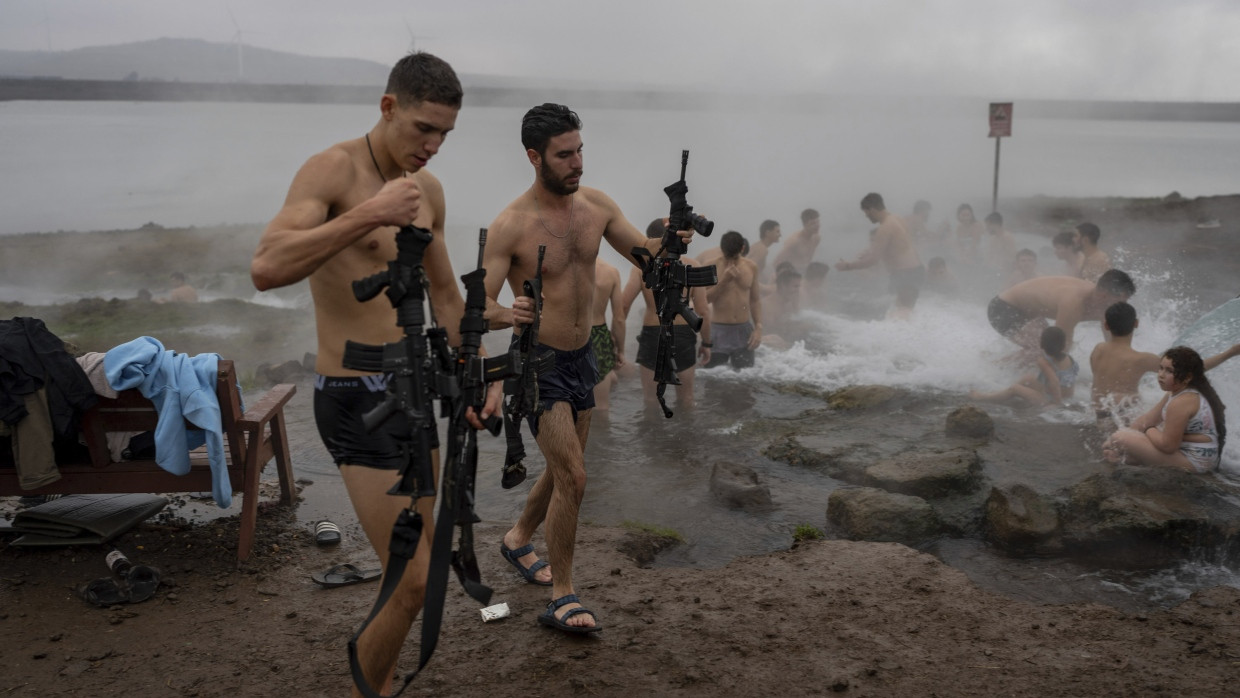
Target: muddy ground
{"type": "Point", "coordinates": [862, 619]}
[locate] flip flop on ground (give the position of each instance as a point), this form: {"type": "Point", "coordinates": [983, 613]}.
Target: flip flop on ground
{"type": "Point", "coordinates": [326, 533]}
{"type": "Point", "coordinates": [514, 557]}
{"type": "Point", "coordinates": [345, 574]}
{"type": "Point", "coordinates": [548, 618]}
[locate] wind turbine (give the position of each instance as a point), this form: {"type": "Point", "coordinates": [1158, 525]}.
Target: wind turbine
{"type": "Point", "coordinates": [237, 42]}
{"type": "Point", "coordinates": [413, 38]}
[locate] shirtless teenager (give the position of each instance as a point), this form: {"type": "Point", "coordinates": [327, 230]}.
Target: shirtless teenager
{"type": "Point", "coordinates": [801, 245]}
{"type": "Point", "coordinates": [1067, 250]}
{"type": "Point", "coordinates": [782, 308]}
{"type": "Point", "coordinates": [768, 237]}
{"type": "Point", "coordinates": [571, 221]}
{"type": "Point", "coordinates": [338, 225]}
{"type": "Point", "coordinates": [1118, 368]}
{"type": "Point", "coordinates": [891, 245]}
{"type": "Point", "coordinates": [736, 306]}
{"type": "Point", "coordinates": [687, 351]}
{"type": "Point", "coordinates": [1094, 262]}
{"type": "Point", "coordinates": [608, 343]}
{"type": "Point", "coordinates": [1020, 312]}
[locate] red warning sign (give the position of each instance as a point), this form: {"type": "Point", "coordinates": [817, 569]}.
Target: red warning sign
{"type": "Point", "coordinates": [1000, 119]}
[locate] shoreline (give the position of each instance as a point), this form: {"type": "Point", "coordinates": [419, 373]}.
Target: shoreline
{"type": "Point", "coordinates": [664, 98]}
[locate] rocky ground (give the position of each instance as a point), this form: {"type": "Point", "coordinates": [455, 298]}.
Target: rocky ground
{"type": "Point", "coordinates": [826, 616]}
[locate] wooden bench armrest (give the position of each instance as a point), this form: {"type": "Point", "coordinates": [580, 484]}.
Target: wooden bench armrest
{"type": "Point", "coordinates": [268, 406]}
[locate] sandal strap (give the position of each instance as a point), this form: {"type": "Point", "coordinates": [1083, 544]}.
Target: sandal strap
{"type": "Point", "coordinates": [575, 611]}
{"type": "Point", "coordinates": [538, 565]}
{"type": "Point", "coordinates": [326, 526]}
{"type": "Point", "coordinates": [522, 551]}
{"type": "Point", "coordinates": [556, 604]}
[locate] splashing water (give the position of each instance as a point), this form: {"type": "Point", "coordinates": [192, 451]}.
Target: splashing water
{"type": "Point", "coordinates": [948, 346]}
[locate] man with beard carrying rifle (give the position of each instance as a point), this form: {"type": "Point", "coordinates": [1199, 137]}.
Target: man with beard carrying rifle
{"type": "Point", "coordinates": [570, 221]}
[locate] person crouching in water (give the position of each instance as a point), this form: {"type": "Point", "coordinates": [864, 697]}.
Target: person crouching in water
{"type": "Point", "coordinates": [1054, 380]}
{"type": "Point", "coordinates": [1186, 429]}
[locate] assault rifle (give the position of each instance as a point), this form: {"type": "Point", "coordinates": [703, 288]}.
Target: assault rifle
{"type": "Point", "coordinates": [421, 369]}
{"type": "Point", "coordinates": [669, 279]}
{"type": "Point", "coordinates": [522, 387]}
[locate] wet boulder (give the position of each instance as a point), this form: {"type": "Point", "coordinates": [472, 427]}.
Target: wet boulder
{"type": "Point", "coordinates": [860, 397]}
{"type": "Point", "coordinates": [928, 475]}
{"type": "Point", "coordinates": [869, 513]}
{"type": "Point", "coordinates": [1151, 516]}
{"type": "Point", "coordinates": [739, 487]}
{"type": "Point", "coordinates": [287, 372]}
{"type": "Point", "coordinates": [970, 422]}
{"type": "Point", "coordinates": [1019, 520]}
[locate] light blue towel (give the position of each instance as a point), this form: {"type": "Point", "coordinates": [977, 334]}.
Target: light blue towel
{"type": "Point", "coordinates": [182, 388]}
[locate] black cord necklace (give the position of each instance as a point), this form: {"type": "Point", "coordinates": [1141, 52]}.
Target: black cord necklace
{"type": "Point", "coordinates": [374, 159]}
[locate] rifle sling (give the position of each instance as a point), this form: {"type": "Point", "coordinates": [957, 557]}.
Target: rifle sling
{"type": "Point", "coordinates": [405, 535]}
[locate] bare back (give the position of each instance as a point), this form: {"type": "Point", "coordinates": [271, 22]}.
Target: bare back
{"type": "Point", "coordinates": [1117, 370]}
{"type": "Point", "coordinates": [1047, 296]}
{"type": "Point", "coordinates": [1062, 298]}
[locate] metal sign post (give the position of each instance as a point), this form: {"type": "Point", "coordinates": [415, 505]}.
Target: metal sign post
{"type": "Point", "coordinates": [1000, 127]}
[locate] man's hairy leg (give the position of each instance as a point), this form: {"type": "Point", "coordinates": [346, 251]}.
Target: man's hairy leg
{"type": "Point", "coordinates": [379, 647]}
{"type": "Point", "coordinates": [563, 445]}
{"type": "Point", "coordinates": [532, 516]}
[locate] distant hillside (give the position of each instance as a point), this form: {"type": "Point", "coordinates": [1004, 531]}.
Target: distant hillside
{"type": "Point", "coordinates": [191, 60]}
{"type": "Point", "coordinates": [197, 70]}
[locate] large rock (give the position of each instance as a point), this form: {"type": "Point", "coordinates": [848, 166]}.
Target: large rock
{"type": "Point", "coordinates": [970, 422]}
{"type": "Point", "coordinates": [859, 397]}
{"type": "Point", "coordinates": [739, 487]}
{"type": "Point", "coordinates": [1151, 516]}
{"type": "Point", "coordinates": [287, 372]}
{"type": "Point", "coordinates": [868, 513]}
{"type": "Point", "coordinates": [1022, 521]}
{"type": "Point", "coordinates": [929, 475]}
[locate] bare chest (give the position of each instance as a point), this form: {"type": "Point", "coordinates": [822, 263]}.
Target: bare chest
{"type": "Point", "coordinates": [568, 257]}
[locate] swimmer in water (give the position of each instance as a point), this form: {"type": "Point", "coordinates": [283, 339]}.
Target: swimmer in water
{"type": "Point", "coordinates": [1020, 312]}
{"type": "Point", "coordinates": [891, 245]}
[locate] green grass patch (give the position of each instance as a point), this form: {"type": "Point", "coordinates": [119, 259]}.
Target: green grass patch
{"type": "Point", "coordinates": [660, 531]}
{"type": "Point", "coordinates": [804, 532]}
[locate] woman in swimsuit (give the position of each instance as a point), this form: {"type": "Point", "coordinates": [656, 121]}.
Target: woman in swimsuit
{"type": "Point", "coordinates": [1185, 430]}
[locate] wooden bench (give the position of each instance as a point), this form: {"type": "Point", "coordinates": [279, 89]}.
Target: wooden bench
{"type": "Point", "coordinates": [251, 440]}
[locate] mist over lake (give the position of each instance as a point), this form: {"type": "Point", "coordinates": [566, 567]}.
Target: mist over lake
{"type": "Point", "coordinates": [111, 165]}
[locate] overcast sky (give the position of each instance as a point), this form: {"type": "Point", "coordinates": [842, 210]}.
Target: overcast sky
{"type": "Point", "coordinates": [1076, 49]}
